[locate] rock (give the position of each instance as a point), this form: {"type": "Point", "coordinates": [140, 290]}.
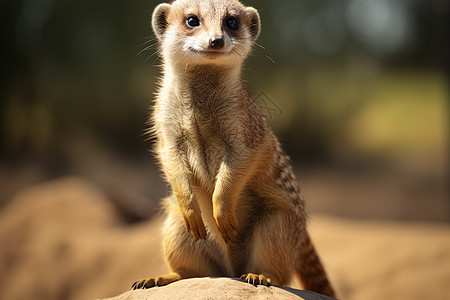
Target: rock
{"type": "Point", "coordinates": [218, 288]}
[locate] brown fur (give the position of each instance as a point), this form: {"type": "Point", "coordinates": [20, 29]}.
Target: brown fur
{"type": "Point", "coordinates": [233, 186]}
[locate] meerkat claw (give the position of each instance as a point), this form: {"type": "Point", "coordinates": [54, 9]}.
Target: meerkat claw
{"type": "Point", "coordinates": [256, 279]}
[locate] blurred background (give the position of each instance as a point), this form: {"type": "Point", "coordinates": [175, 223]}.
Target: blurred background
{"type": "Point", "coordinates": [356, 90]}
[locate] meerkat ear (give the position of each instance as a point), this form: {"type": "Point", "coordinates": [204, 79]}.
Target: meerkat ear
{"type": "Point", "coordinates": [159, 19]}
{"type": "Point", "coordinates": [254, 22]}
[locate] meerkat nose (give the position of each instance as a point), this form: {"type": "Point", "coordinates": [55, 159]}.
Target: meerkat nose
{"type": "Point", "coordinates": [217, 43]}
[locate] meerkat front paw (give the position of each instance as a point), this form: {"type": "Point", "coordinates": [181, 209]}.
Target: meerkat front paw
{"type": "Point", "coordinates": [194, 224]}
{"type": "Point", "coordinates": [156, 281]}
{"type": "Point", "coordinates": [227, 227]}
{"type": "Point", "coordinates": [256, 279]}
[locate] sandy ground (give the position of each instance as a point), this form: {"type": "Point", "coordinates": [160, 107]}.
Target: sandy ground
{"type": "Point", "coordinates": [65, 240]}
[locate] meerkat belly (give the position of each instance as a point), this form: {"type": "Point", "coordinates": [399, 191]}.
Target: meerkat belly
{"type": "Point", "coordinates": [202, 153]}
{"type": "Point", "coordinates": [204, 165]}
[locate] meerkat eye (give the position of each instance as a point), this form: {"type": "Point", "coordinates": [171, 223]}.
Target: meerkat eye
{"type": "Point", "coordinates": [232, 23]}
{"type": "Point", "coordinates": [193, 21]}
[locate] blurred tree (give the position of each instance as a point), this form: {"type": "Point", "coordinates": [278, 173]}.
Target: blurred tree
{"type": "Point", "coordinates": [70, 72]}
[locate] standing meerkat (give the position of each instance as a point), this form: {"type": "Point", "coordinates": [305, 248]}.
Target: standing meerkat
{"type": "Point", "coordinates": [236, 208]}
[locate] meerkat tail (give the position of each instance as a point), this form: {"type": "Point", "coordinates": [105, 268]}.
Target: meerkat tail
{"type": "Point", "coordinates": [310, 272]}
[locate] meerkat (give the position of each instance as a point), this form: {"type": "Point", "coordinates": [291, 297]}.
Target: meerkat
{"type": "Point", "coordinates": [236, 208]}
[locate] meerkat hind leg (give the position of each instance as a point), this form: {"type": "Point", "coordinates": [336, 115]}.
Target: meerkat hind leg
{"type": "Point", "coordinates": [156, 281]}
{"type": "Point", "coordinates": [263, 264]}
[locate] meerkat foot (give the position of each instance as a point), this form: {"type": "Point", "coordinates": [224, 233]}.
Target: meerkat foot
{"type": "Point", "coordinates": [227, 228]}
{"type": "Point", "coordinates": [256, 279]}
{"type": "Point", "coordinates": [156, 281]}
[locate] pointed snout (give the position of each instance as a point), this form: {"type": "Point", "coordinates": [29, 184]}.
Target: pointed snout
{"type": "Point", "coordinates": [217, 43]}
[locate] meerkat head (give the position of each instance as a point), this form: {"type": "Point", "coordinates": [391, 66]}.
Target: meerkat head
{"type": "Point", "coordinates": [205, 32]}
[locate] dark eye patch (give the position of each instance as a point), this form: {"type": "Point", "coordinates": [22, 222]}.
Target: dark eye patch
{"type": "Point", "coordinates": [232, 23]}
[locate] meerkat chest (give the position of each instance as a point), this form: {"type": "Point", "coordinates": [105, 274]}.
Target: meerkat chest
{"type": "Point", "coordinates": [202, 137]}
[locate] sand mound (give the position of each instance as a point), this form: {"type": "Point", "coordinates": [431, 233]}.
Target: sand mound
{"type": "Point", "coordinates": [64, 240]}
{"type": "Point", "coordinates": [218, 288]}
